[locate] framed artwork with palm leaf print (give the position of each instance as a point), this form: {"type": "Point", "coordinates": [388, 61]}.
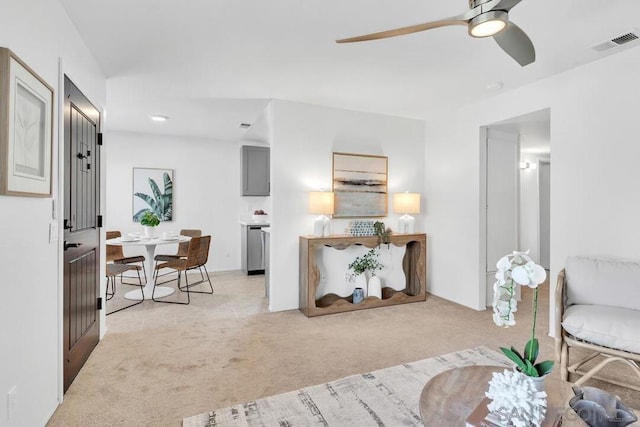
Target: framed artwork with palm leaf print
{"type": "Point", "coordinates": [153, 191]}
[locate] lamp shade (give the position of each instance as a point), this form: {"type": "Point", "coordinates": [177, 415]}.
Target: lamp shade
{"type": "Point", "coordinates": [321, 202]}
{"type": "Point", "coordinates": [406, 203]}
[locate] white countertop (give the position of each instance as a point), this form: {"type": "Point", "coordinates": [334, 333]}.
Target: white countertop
{"type": "Point", "coordinates": [253, 223]}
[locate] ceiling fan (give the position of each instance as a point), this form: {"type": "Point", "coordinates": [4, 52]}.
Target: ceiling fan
{"type": "Point", "coordinates": [485, 18]}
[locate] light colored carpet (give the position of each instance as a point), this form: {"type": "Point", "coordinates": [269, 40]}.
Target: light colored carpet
{"type": "Point", "coordinates": [160, 363]}
{"type": "Point", "coordinates": [386, 397]}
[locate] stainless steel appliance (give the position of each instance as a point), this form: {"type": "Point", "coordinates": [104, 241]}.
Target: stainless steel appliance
{"type": "Point", "coordinates": [252, 248]}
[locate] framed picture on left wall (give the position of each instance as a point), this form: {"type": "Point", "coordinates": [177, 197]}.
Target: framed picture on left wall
{"type": "Point", "coordinates": [26, 129]}
{"type": "Point", "coordinates": [153, 191]}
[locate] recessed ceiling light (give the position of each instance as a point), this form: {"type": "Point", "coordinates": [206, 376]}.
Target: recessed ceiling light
{"type": "Point", "coordinates": [495, 85]}
{"type": "Point", "coordinates": [159, 118]}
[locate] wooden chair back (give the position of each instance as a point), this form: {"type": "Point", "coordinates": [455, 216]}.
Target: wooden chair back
{"type": "Point", "coordinates": [114, 252]}
{"type": "Point", "coordinates": [198, 253]}
{"type": "Point", "coordinates": [183, 248]}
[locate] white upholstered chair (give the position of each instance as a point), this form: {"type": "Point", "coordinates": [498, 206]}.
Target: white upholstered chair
{"type": "Point", "coordinates": [598, 309]}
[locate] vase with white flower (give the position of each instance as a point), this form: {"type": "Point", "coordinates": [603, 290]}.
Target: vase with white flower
{"type": "Point", "coordinates": [513, 270]}
{"type": "Point", "coordinates": [363, 264]}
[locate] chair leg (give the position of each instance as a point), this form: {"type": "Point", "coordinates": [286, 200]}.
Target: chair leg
{"type": "Point", "coordinates": [114, 291]}
{"type": "Point", "coordinates": [109, 295]}
{"type": "Point", "coordinates": [173, 302]}
{"type": "Point", "coordinates": [205, 278]}
{"type": "Point", "coordinates": [564, 358]}
{"type": "Point", "coordinates": [587, 375]}
{"type": "Point", "coordinates": [144, 272]}
{"type": "Point", "coordinates": [157, 275]}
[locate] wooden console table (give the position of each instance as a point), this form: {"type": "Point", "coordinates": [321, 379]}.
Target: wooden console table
{"type": "Point", "coordinates": [414, 265]}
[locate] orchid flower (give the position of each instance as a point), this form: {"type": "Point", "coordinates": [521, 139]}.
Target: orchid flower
{"type": "Point", "coordinates": [530, 274]}
{"type": "Point", "coordinates": [513, 270]}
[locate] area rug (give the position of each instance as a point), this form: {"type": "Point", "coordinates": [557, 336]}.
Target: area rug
{"type": "Point", "coordinates": [386, 397]}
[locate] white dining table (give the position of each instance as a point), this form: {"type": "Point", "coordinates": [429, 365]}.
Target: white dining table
{"type": "Point", "coordinates": [150, 246]}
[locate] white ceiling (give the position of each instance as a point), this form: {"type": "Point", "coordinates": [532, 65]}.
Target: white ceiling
{"type": "Point", "coordinates": [211, 64]}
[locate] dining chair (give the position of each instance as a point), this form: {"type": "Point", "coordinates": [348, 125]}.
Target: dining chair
{"type": "Point", "coordinates": [115, 254]}
{"type": "Point", "coordinates": [114, 270]}
{"type": "Point", "coordinates": [196, 258]}
{"type": "Point", "coordinates": [183, 249]}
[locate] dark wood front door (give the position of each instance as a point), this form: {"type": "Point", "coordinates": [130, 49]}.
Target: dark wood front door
{"type": "Point", "coordinates": [81, 230]}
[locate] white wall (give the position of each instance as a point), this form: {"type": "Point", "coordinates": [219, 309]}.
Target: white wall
{"type": "Point", "coordinates": [594, 209]}
{"type": "Point", "coordinates": [206, 188]}
{"type": "Point", "coordinates": [40, 33]}
{"type": "Point", "coordinates": [304, 137]}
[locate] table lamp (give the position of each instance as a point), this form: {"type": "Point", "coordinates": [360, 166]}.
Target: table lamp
{"type": "Point", "coordinates": [321, 202]}
{"type": "Point", "coordinates": [406, 203]}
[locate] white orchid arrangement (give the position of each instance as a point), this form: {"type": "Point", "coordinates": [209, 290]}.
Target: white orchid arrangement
{"type": "Point", "coordinates": [519, 269]}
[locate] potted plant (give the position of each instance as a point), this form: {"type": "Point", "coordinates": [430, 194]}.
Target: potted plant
{"type": "Point", "coordinates": [518, 269]}
{"type": "Point", "coordinates": [149, 221]}
{"type": "Point", "coordinates": [368, 262]}
{"type": "Point", "coordinates": [382, 233]}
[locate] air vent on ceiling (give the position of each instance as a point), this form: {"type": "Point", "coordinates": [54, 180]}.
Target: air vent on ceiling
{"type": "Point", "coordinates": [616, 41]}
{"type": "Point", "coordinates": [625, 38]}
{"type": "Point", "coordinates": [245, 125]}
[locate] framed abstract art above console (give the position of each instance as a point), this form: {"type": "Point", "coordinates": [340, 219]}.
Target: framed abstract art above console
{"type": "Point", "coordinates": [360, 185]}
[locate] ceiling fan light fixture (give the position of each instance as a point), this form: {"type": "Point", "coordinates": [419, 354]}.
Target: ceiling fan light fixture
{"type": "Point", "coordinates": [488, 24]}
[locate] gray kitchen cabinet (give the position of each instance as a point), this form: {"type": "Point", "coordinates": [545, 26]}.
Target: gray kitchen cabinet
{"type": "Point", "coordinates": [255, 171]}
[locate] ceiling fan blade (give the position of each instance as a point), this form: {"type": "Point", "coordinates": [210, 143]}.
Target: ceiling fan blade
{"type": "Point", "coordinates": [506, 5]}
{"type": "Point", "coordinates": [516, 44]}
{"type": "Point", "coordinates": [406, 30]}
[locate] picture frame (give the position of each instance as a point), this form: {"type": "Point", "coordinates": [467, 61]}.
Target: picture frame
{"type": "Point", "coordinates": [152, 191]}
{"type": "Point", "coordinates": [360, 185]}
{"type": "Point", "coordinates": [26, 129]}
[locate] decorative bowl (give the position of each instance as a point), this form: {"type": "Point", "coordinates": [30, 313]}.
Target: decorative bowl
{"type": "Point", "coordinates": [598, 408]}
{"type": "Point", "coordinates": [260, 218]}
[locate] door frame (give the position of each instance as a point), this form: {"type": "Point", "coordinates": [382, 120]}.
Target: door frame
{"type": "Point", "coordinates": [540, 161]}
{"type": "Point", "coordinates": [483, 303]}
{"type": "Point", "coordinates": [58, 206]}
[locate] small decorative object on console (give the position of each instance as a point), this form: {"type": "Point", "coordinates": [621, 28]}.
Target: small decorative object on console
{"type": "Point", "coordinates": [382, 232]}
{"type": "Point", "coordinates": [368, 262]}
{"type": "Point", "coordinates": [361, 227]}
{"type": "Point", "coordinates": [358, 295]}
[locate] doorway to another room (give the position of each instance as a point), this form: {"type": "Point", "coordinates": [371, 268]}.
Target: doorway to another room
{"type": "Point", "coordinates": [515, 169]}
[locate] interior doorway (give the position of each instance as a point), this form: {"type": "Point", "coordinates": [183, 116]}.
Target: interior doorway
{"type": "Point", "coordinates": [81, 319]}
{"type": "Point", "coordinates": [532, 178]}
